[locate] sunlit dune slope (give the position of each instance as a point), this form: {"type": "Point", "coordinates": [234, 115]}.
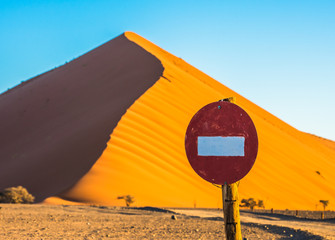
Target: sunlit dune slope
{"type": "Point", "coordinates": [145, 155]}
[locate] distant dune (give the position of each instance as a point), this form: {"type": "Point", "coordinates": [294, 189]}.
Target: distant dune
{"type": "Point", "coordinates": [112, 122]}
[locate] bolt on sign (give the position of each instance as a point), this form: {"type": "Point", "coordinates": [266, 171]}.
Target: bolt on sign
{"type": "Point", "coordinates": [221, 143]}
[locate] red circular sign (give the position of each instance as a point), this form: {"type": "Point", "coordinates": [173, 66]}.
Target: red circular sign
{"type": "Point", "coordinates": [221, 143]}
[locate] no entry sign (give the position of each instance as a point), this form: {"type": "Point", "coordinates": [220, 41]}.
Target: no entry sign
{"type": "Point", "coordinates": [221, 143]}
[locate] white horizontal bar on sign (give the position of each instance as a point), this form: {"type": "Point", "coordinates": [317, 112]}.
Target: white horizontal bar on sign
{"type": "Point", "coordinates": [221, 146]}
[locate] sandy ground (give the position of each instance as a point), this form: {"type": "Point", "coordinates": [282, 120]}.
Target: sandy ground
{"type": "Point", "coordinates": [100, 222]}
{"type": "Point", "coordinates": [277, 222]}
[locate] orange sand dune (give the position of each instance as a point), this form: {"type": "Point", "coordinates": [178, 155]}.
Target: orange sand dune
{"type": "Point", "coordinates": [55, 126]}
{"type": "Point", "coordinates": [145, 156]}
{"type": "Point", "coordinates": [143, 98]}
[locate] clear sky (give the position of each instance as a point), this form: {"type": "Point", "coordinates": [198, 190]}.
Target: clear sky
{"type": "Point", "coordinates": [280, 54]}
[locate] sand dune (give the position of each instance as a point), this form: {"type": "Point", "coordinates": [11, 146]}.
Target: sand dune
{"type": "Point", "coordinates": [55, 126]}
{"type": "Point", "coordinates": [116, 121]}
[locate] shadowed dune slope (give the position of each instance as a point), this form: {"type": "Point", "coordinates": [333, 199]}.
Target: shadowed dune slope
{"type": "Point", "coordinates": [55, 126]}
{"type": "Point", "coordinates": [145, 154]}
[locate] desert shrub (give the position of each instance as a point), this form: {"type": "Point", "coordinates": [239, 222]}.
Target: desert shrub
{"type": "Point", "coordinates": [16, 195]}
{"type": "Point", "coordinates": [324, 204]}
{"type": "Point", "coordinates": [260, 204]}
{"type": "Point", "coordinates": [249, 203]}
{"type": "Point", "coordinates": [128, 199]}
{"type": "Point", "coordinates": [252, 203]}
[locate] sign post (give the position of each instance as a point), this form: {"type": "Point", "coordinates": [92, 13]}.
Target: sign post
{"type": "Point", "coordinates": [231, 211]}
{"type": "Point", "coordinates": [221, 145]}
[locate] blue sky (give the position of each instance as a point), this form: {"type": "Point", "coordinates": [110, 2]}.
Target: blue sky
{"type": "Point", "coordinates": [278, 54]}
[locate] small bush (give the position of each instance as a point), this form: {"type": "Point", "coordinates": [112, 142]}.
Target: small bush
{"type": "Point", "coordinates": [249, 203]}
{"type": "Point", "coordinates": [260, 204]}
{"type": "Point", "coordinates": [324, 204]}
{"type": "Point", "coordinates": [252, 203]}
{"type": "Point", "coordinates": [128, 199]}
{"type": "Point", "coordinates": [16, 195]}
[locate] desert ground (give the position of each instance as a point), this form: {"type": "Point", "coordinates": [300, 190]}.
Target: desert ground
{"type": "Point", "coordinates": [40, 221]}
